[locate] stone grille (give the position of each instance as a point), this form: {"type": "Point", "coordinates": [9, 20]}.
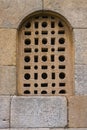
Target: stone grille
{"type": "Point", "coordinates": [44, 57]}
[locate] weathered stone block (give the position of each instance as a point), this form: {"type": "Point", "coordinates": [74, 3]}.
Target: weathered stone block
{"type": "Point", "coordinates": [81, 79]}
{"type": "Point", "coordinates": [4, 111]}
{"type": "Point", "coordinates": [7, 80]}
{"type": "Point", "coordinates": [76, 129]}
{"type": "Point", "coordinates": [80, 42]}
{"type": "Point", "coordinates": [38, 112]}
{"type": "Point", "coordinates": [38, 129]}
{"type": "Point", "coordinates": [8, 39]}
{"type": "Point", "coordinates": [78, 111]}
{"type": "Point", "coordinates": [45, 129]}
{"type": "Point", "coordinates": [5, 129]}
{"type": "Point", "coordinates": [12, 12]}
{"type": "Point", "coordinates": [70, 9]}
{"type": "Point", "coordinates": [69, 129]}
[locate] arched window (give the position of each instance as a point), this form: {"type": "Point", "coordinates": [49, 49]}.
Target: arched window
{"type": "Point", "coordinates": [45, 55]}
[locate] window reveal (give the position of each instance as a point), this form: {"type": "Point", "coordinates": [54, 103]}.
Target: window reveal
{"type": "Point", "coordinates": [44, 57]}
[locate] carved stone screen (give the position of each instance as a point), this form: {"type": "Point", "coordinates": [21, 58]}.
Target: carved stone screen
{"type": "Point", "coordinates": [45, 59]}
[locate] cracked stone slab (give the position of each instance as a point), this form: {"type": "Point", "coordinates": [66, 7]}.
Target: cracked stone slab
{"type": "Point", "coordinates": [38, 112]}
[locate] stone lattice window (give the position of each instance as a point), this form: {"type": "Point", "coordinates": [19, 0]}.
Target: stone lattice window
{"type": "Point", "coordinates": [45, 56]}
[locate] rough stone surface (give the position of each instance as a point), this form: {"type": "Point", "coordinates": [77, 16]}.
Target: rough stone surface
{"type": "Point", "coordinates": [7, 80]}
{"type": "Point", "coordinates": [38, 129]}
{"type": "Point", "coordinates": [45, 129]}
{"type": "Point", "coordinates": [13, 11]}
{"type": "Point", "coordinates": [81, 79]}
{"type": "Point", "coordinates": [4, 111]}
{"type": "Point", "coordinates": [69, 129]}
{"type": "Point", "coordinates": [74, 10]}
{"type": "Point", "coordinates": [76, 129]}
{"type": "Point", "coordinates": [8, 39]}
{"type": "Point", "coordinates": [78, 111]}
{"type": "Point", "coordinates": [80, 42]}
{"type": "Point", "coordinates": [31, 129]}
{"type": "Point", "coordinates": [38, 112]}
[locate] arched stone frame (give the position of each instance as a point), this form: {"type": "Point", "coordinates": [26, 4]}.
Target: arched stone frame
{"type": "Point", "coordinates": [68, 88]}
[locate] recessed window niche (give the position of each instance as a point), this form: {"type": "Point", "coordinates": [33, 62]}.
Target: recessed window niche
{"type": "Point", "coordinates": [45, 55]}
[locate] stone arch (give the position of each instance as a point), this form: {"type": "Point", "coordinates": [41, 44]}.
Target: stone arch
{"type": "Point", "coordinates": [45, 56]}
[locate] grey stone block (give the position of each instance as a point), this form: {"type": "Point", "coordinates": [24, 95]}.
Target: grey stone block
{"type": "Point", "coordinates": [75, 11]}
{"type": "Point", "coordinates": [76, 129]}
{"type": "Point", "coordinates": [69, 129]}
{"type": "Point", "coordinates": [81, 79]}
{"type": "Point", "coordinates": [47, 129]}
{"type": "Point", "coordinates": [4, 111]}
{"type": "Point", "coordinates": [80, 42]}
{"type": "Point", "coordinates": [31, 129]}
{"type": "Point", "coordinates": [38, 112]}
{"type": "Point", "coordinates": [7, 80]}
{"type": "Point", "coordinates": [12, 12]}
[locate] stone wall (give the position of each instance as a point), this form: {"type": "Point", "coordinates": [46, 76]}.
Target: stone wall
{"type": "Point", "coordinates": [44, 113]}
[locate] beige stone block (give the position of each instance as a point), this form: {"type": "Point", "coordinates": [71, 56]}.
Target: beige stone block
{"type": "Point", "coordinates": [12, 12]}
{"type": "Point", "coordinates": [8, 39]}
{"type": "Point", "coordinates": [7, 80]}
{"type": "Point", "coordinates": [38, 112]}
{"type": "Point", "coordinates": [80, 43]}
{"type": "Point", "coordinates": [4, 111]}
{"type": "Point", "coordinates": [81, 79]}
{"type": "Point", "coordinates": [75, 11]}
{"type": "Point", "coordinates": [78, 111]}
